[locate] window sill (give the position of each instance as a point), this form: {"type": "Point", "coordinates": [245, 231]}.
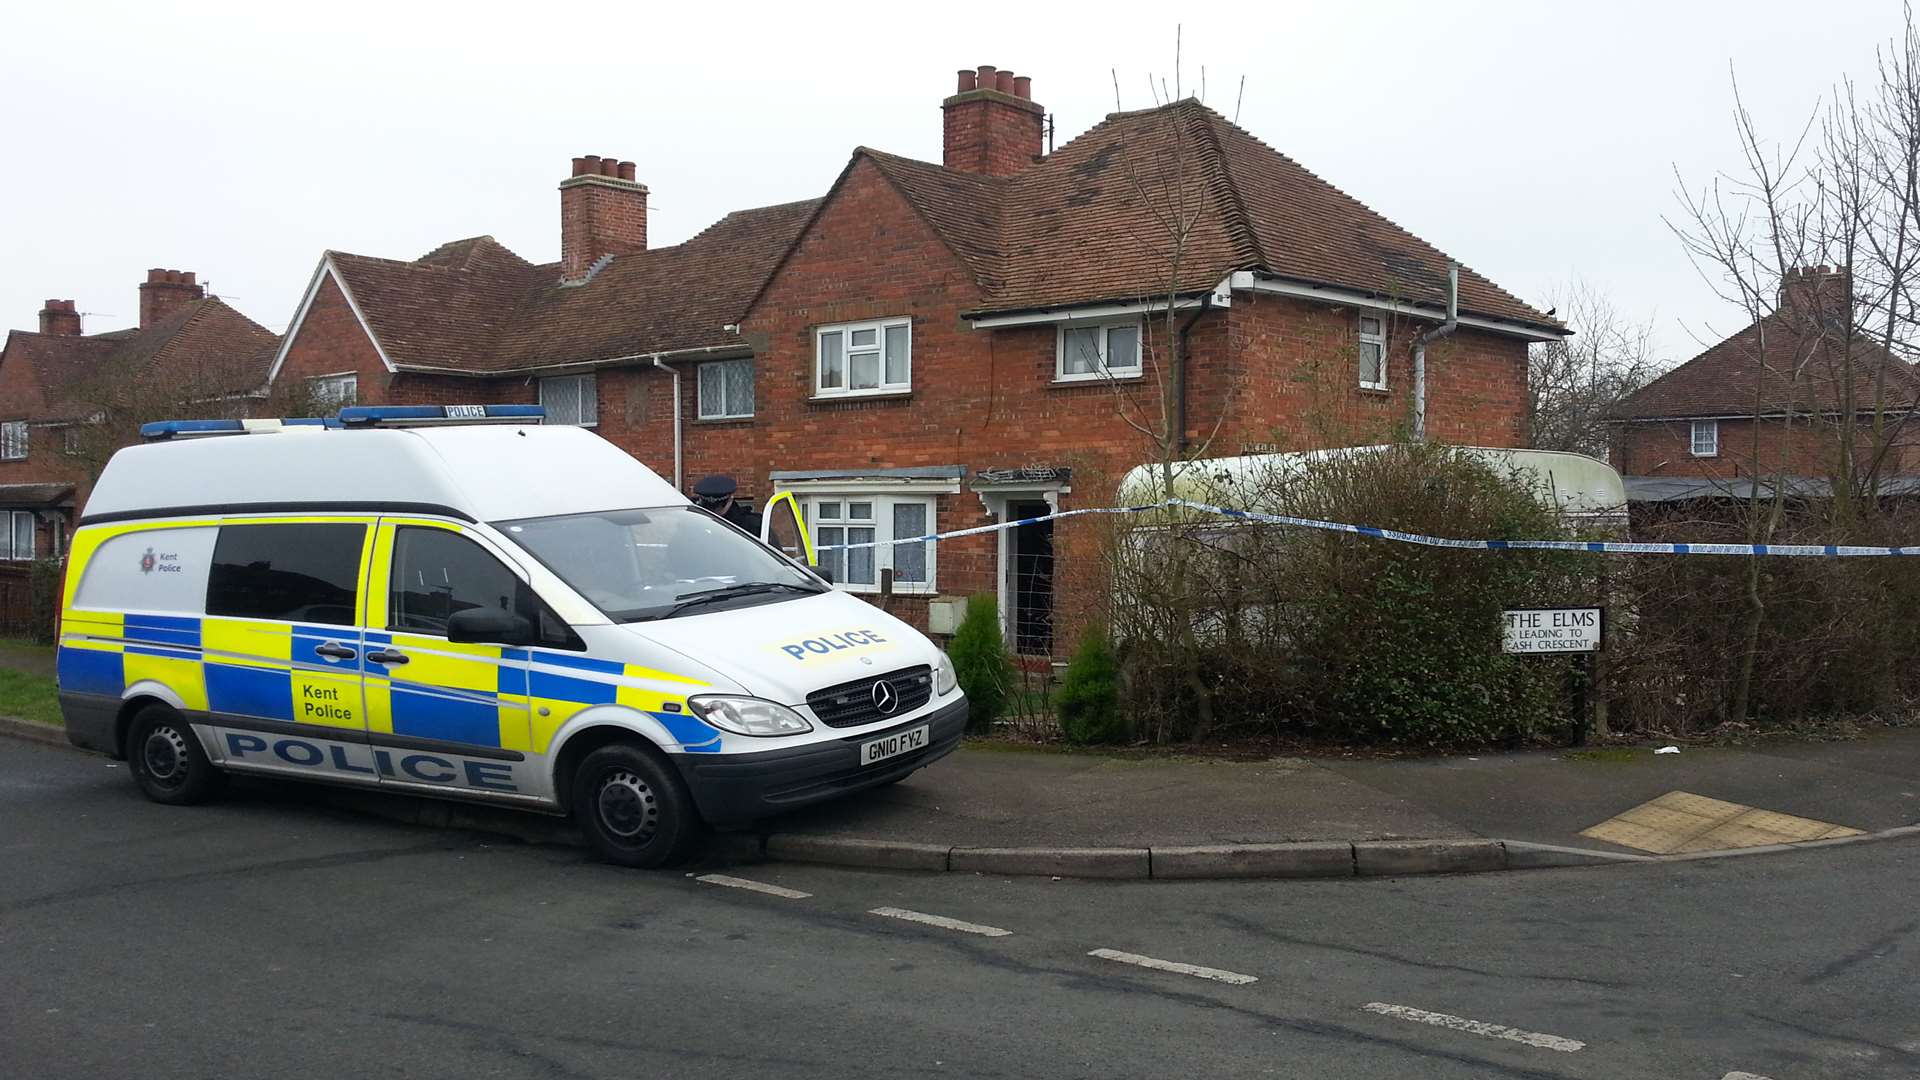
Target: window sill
{"type": "Point", "coordinates": [1379, 391]}
{"type": "Point", "coordinates": [1096, 380]}
{"type": "Point", "coordinates": [849, 399]}
{"type": "Point", "coordinates": [723, 421]}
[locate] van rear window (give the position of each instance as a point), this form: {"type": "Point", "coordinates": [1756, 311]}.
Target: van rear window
{"type": "Point", "coordinates": [295, 573]}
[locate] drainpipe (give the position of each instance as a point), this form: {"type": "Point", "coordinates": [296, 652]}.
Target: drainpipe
{"type": "Point", "coordinates": [1420, 352]}
{"type": "Point", "coordinates": [675, 372]}
{"type": "Point", "coordinates": [1180, 390]}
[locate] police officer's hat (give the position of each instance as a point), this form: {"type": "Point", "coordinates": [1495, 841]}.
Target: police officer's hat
{"type": "Point", "coordinates": [715, 489]}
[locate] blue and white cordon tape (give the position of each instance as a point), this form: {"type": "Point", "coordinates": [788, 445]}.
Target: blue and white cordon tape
{"type": "Point", "coordinates": [1600, 547]}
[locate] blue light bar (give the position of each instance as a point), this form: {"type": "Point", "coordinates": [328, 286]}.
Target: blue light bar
{"type": "Point", "coordinates": [361, 415]}
{"type": "Point", "coordinates": [167, 429]}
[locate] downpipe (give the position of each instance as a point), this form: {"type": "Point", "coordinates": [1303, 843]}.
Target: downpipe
{"type": "Point", "coordinates": [1420, 352]}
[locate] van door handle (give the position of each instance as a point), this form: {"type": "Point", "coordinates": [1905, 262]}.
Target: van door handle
{"type": "Point", "coordinates": [381, 656]}
{"type": "Point", "coordinates": [337, 652]}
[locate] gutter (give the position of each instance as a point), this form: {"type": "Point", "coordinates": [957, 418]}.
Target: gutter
{"type": "Point", "coordinates": [1420, 352]}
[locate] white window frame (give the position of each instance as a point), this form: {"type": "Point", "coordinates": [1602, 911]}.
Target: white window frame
{"type": "Point", "coordinates": [846, 332]}
{"type": "Point", "coordinates": [700, 397]}
{"type": "Point", "coordinates": [1101, 370]}
{"type": "Point", "coordinates": [12, 519]}
{"type": "Point", "coordinates": [882, 525]}
{"type": "Point", "coordinates": [1362, 340]}
{"type": "Point", "coordinates": [333, 392]}
{"type": "Point", "coordinates": [1712, 430]}
{"type": "Point", "coordinates": [586, 394]}
{"type": "Point", "coordinates": [13, 440]}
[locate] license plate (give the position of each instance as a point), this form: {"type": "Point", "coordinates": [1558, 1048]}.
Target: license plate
{"type": "Point", "coordinates": [894, 745]}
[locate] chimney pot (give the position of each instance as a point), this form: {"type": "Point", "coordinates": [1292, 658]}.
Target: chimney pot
{"type": "Point", "coordinates": [579, 166]}
{"type": "Point", "coordinates": [609, 166]}
{"type": "Point", "coordinates": [156, 274]}
{"type": "Point", "coordinates": [1003, 82]}
{"type": "Point", "coordinates": [188, 278]}
{"type": "Point", "coordinates": [626, 170]}
{"type": "Point", "coordinates": [968, 80]}
{"type": "Point", "coordinates": [985, 74]}
{"type": "Point", "coordinates": [1023, 87]}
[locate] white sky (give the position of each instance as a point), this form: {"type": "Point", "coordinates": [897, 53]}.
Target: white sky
{"type": "Point", "coordinates": [1534, 141]}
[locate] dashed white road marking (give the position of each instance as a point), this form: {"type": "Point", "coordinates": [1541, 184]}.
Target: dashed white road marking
{"type": "Point", "coordinates": [1743, 1076]}
{"type": "Point", "coordinates": [1476, 1027]}
{"type": "Point", "coordinates": [753, 886]}
{"type": "Point", "coordinates": [941, 921]}
{"type": "Point", "coordinates": [1176, 967]}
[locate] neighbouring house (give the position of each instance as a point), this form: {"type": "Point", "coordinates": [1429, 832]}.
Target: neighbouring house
{"type": "Point", "coordinates": [1771, 403]}
{"type": "Point", "coordinates": [936, 346]}
{"type": "Point", "coordinates": [69, 399]}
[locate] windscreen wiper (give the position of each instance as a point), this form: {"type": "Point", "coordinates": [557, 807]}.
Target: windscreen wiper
{"type": "Point", "coordinates": [730, 592]}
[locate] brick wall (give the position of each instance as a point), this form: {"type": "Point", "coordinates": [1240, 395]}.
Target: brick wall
{"type": "Point", "coordinates": [1802, 448]}
{"type": "Point", "coordinates": [45, 463]}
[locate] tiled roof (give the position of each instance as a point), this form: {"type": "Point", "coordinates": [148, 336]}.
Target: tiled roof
{"type": "Point", "coordinates": [474, 306]}
{"type": "Point", "coordinates": [203, 349]}
{"type": "Point", "coordinates": [1758, 366]}
{"type": "Point", "coordinates": [1092, 221]}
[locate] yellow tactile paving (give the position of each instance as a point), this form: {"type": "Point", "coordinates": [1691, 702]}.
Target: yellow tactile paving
{"type": "Point", "coordinates": [1681, 822]}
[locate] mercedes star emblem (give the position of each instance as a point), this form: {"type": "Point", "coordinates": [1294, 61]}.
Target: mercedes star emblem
{"type": "Point", "coordinates": [884, 699]}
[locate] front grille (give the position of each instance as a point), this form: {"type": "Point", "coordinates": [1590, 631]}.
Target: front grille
{"type": "Point", "coordinates": [851, 704]}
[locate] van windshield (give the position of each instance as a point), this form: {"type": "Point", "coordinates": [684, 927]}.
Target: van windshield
{"type": "Point", "coordinates": [637, 565]}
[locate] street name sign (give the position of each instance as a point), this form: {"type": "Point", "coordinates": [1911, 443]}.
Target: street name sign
{"type": "Point", "coordinates": [1552, 630]}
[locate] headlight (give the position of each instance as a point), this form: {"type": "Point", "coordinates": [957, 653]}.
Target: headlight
{"type": "Point", "coordinates": [945, 678]}
{"type": "Point", "coordinates": [748, 716]}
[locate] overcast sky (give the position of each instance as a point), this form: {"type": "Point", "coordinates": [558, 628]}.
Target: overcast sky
{"type": "Point", "coordinates": [1536, 142]}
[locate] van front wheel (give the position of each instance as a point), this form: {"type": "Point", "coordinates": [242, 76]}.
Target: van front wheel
{"type": "Point", "coordinates": [166, 760]}
{"type": "Point", "coordinates": [634, 810]}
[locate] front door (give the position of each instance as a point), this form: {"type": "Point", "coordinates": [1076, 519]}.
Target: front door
{"type": "Point", "coordinates": [442, 713]}
{"type": "Point", "coordinates": [1030, 583]}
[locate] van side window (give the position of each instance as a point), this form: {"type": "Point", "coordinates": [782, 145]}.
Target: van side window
{"type": "Point", "coordinates": [294, 573]}
{"type": "Point", "coordinates": [436, 573]}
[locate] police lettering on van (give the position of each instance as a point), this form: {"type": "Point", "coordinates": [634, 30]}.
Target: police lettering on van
{"type": "Point", "coordinates": [490, 610]}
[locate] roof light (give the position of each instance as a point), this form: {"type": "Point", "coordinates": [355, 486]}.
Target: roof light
{"type": "Point", "coordinates": [167, 429]}
{"type": "Point", "coordinates": [364, 415]}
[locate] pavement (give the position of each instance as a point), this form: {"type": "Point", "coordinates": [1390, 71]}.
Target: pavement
{"type": "Point", "coordinates": [271, 936]}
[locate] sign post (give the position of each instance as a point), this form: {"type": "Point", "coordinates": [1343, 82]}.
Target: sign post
{"type": "Point", "coordinates": [1538, 631]}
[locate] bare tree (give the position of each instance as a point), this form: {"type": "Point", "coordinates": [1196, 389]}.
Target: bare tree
{"type": "Point", "coordinates": [1575, 384]}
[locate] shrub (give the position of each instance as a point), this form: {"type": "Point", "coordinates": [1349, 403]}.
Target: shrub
{"type": "Point", "coordinates": [1088, 700]}
{"type": "Point", "coordinates": [1335, 636]}
{"type": "Point", "coordinates": [980, 659]}
{"type": "Point", "coordinates": [43, 598]}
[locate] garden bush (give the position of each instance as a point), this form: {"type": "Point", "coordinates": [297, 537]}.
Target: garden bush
{"type": "Point", "coordinates": [980, 659]}
{"type": "Point", "coordinates": [1088, 701]}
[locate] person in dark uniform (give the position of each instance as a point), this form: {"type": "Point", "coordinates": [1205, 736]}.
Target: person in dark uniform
{"type": "Point", "coordinates": [716, 494]}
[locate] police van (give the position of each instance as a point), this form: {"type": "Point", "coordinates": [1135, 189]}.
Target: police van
{"type": "Point", "coordinates": [457, 601]}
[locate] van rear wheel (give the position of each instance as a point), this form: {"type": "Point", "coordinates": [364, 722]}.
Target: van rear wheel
{"type": "Point", "coordinates": [166, 758]}
{"type": "Point", "coordinates": [634, 810]}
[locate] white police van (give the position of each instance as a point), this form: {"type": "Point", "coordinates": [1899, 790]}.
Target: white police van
{"type": "Point", "coordinates": [491, 610]}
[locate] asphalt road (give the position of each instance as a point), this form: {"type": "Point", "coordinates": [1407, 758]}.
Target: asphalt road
{"type": "Point", "coordinates": [267, 937]}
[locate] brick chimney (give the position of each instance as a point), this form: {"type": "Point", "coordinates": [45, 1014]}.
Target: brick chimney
{"type": "Point", "coordinates": [992, 124]}
{"type": "Point", "coordinates": [1825, 292]}
{"type": "Point", "coordinates": [59, 318]}
{"type": "Point", "coordinates": [603, 211]}
{"type": "Point", "coordinates": [164, 292]}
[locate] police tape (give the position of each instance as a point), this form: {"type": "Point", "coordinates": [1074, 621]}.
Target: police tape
{"type": "Point", "coordinates": [1598, 547]}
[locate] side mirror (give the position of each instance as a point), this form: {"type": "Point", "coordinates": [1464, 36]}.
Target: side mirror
{"type": "Point", "coordinates": [489, 626]}
{"type": "Point", "coordinates": [825, 572]}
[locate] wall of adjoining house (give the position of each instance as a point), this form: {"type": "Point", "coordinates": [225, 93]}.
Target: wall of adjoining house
{"type": "Point", "coordinates": [1802, 447]}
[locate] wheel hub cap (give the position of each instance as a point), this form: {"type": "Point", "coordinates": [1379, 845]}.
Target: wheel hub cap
{"type": "Point", "coordinates": [628, 807]}
{"type": "Point", "coordinates": [165, 756]}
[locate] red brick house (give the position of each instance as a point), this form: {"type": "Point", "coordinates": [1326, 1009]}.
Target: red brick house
{"type": "Point", "coordinates": [933, 346]}
{"type": "Point", "coordinates": [68, 399]}
{"type": "Point", "coordinates": [1768, 401]}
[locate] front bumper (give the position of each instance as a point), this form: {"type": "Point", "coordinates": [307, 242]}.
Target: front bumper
{"type": "Point", "coordinates": [732, 789]}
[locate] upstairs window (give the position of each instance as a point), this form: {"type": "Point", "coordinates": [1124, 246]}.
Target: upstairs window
{"type": "Point", "coordinates": [726, 390]}
{"type": "Point", "coordinates": [1706, 438]}
{"type": "Point", "coordinates": [13, 440]}
{"type": "Point", "coordinates": [1373, 352]}
{"type": "Point", "coordinates": [570, 399]}
{"type": "Point", "coordinates": [1110, 351]}
{"type": "Point", "coordinates": [331, 393]}
{"type": "Point", "coordinates": [853, 359]}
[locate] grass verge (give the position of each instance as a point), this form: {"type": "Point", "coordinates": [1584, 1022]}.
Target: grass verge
{"type": "Point", "coordinates": [29, 697]}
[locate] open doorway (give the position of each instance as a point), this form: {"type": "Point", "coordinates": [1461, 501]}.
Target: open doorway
{"type": "Point", "coordinates": [1029, 567]}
